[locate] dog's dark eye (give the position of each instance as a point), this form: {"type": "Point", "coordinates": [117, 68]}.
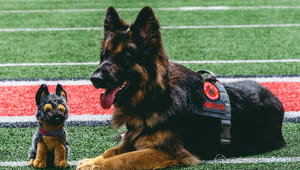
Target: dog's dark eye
{"type": "Point", "coordinates": [103, 55]}
{"type": "Point", "coordinates": [47, 107]}
{"type": "Point", "coordinates": [127, 55]}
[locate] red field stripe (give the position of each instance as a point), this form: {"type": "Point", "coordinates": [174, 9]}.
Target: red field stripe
{"type": "Point", "coordinates": [84, 99]}
{"type": "Point", "coordinates": [287, 92]}
{"type": "Point", "coordinates": [20, 100]}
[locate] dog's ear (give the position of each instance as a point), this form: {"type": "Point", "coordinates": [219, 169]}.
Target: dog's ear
{"type": "Point", "coordinates": [60, 91]}
{"type": "Point", "coordinates": [43, 91]}
{"type": "Point", "coordinates": [147, 26]}
{"type": "Point", "coordinates": [113, 22]}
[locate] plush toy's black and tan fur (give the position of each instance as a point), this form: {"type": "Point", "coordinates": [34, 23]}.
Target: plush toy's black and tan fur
{"type": "Point", "coordinates": [159, 102]}
{"type": "Point", "coordinates": [49, 146]}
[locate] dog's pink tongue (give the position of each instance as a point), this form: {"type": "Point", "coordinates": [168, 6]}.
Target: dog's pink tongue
{"type": "Point", "coordinates": [107, 98]}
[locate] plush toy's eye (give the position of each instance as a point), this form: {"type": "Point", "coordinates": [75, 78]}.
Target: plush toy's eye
{"type": "Point", "coordinates": [47, 107]}
{"type": "Point", "coordinates": [61, 108]}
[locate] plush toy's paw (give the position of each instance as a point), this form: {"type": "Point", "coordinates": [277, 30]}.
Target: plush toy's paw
{"type": "Point", "coordinates": [39, 163]}
{"type": "Point", "coordinates": [61, 163]}
{"type": "Point", "coordinates": [31, 162]}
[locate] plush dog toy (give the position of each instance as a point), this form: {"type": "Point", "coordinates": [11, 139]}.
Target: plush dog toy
{"type": "Point", "coordinates": [49, 145]}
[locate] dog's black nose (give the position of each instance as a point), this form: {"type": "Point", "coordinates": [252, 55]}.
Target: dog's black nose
{"type": "Point", "coordinates": [97, 79]}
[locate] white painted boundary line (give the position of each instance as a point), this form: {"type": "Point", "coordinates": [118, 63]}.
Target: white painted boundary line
{"type": "Point", "coordinates": [31, 0]}
{"type": "Point", "coordinates": [257, 160]}
{"type": "Point", "coordinates": [236, 61]}
{"type": "Point", "coordinates": [87, 117]}
{"type": "Point", "coordinates": [50, 64]}
{"type": "Point", "coordinates": [163, 27]}
{"type": "Point", "coordinates": [39, 82]}
{"type": "Point", "coordinates": [187, 8]}
{"type": "Point", "coordinates": [226, 161]}
{"type": "Point", "coordinates": [180, 62]}
{"type": "Point", "coordinates": [260, 79]}
{"type": "Point", "coordinates": [229, 26]}
{"type": "Point", "coordinates": [49, 29]}
{"type": "Point", "coordinates": [87, 82]}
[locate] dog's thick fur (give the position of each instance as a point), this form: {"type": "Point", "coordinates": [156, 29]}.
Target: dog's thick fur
{"type": "Point", "coordinates": [49, 146]}
{"type": "Point", "coordinates": [158, 101]}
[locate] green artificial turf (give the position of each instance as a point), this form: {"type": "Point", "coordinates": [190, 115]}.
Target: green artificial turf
{"type": "Point", "coordinates": [70, 4]}
{"type": "Point", "coordinates": [88, 142]}
{"type": "Point", "coordinates": [92, 141]}
{"type": "Point", "coordinates": [86, 71]}
{"type": "Point", "coordinates": [84, 142]}
{"type": "Point", "coordinates": [95, 19]}
{"type": "Point", "coordinates": [61, 46]}
{"type": "Point", "coordinates": [187, 44]}
{"type": "Point", "coordinates": [244, 166]}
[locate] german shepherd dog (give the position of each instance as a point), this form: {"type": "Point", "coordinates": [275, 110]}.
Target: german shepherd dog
{"type": "Point", "coordinates": [49, 145]}
{"type": "Point", "coordinates": [158, 101]}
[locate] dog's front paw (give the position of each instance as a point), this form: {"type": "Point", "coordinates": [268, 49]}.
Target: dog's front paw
{"type": "Point", "coordinates": [61, 163]}
{"type": "Point", "coordinates": [84, 161]}
{"type": "Point", "coordinates": [89, 161]}
{"type": "Point", "coordinates": [87, 164]}
{"type": "Point", "coordinates": [90, 166]}
{"type": "Point", "coordinates": [39, 163]}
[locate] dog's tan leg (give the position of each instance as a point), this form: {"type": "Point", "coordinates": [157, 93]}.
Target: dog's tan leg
{"type": "Point", "coordinates": [41, 156]}
{"type": "Point", "coordinates": [60, 156]}
{"type": "Point", "coordinates": [109, 153]}
{"type": "Point", "coordinates": [142, 159]}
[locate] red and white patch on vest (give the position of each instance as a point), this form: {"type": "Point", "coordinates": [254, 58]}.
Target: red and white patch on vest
{"type": "Point", "coordinates": [211, 91]}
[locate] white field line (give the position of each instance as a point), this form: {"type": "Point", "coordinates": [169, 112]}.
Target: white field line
{"type": "Point", "coordinates": [229, 26]}
{"type": "Point", "coordinates": [186, 8]}
{"type": "Point", "coordinates": [227, 161]}
{"type": "Point", "coordinates": [31, 0]}
{"type": "Point", "coordinates": [260, 79]}
{"type": "Point", "coordinates": [257, 160]}
{"type": "Point", "coordinates": [163, 27]}
{"type": "Point", "coordinates": [87, 82]}
{"type": "Point", "coordinates": [39, 82]}
{"type": "Point", "coordinates": [49, 29]}
{"type": "Point", "coordinates": [49, 64]}
{"type": "Point", "coordinates": [237, 61]}
{"type": "Point", "coordinates": [87, 117]}
{"type": "Point", "coordinates": [180, 62]}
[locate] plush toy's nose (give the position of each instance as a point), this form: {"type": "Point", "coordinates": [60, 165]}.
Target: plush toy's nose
{"type": "Point", "coordinates": [57, 119]}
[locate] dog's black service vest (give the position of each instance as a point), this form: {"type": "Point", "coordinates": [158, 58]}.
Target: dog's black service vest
{"type": "Point", "coordinates": [217, 103]}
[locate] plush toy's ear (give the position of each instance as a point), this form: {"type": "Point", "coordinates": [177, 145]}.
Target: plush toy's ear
{"type": "Point", "coordinates": [43, 91]}
{"type": "Point", "coordinates": [113, 22]}
{"type": "Point", "coordinates": [60, 91]}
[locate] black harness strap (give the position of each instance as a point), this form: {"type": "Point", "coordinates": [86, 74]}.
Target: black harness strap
{"type": "Point", "coordinates": [217, 103]}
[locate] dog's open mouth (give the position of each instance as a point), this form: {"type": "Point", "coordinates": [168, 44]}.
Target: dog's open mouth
{"type": "Point", "coordinates": [107, 98]}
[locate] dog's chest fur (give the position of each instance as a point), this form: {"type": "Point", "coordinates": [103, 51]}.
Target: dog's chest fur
{"type": "Point", "coordinates": [51, 142]}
